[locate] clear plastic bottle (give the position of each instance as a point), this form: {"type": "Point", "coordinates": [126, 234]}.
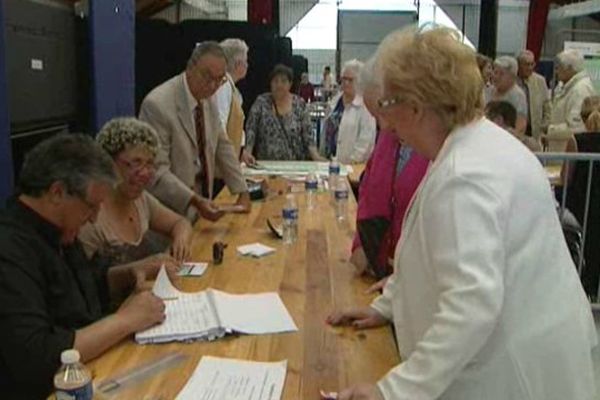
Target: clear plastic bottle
{"type": "Point", "coordinates": [73, 381]}
{"type": "Point", "coordinates": [290, 220]}
{"type": "Point", "coordinates": [341, 199]}
{"type": "Point", "coordinates": [334, 173]}
{"type": "Point", "coordinates": [311, 185]}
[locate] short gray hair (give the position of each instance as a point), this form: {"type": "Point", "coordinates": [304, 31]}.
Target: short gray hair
{"type": "Point", "coordinates": [368, 77]}
{"type": "Point", "coordinates": [507, 63]}
{"type": "Point", "coordinates": [203, 49]}
{"type": "Point", "coordinates": [119, 133]}
{"type": "Point", "coordinates": [525, 53]}
{"type": "Point", "coordinates": [572, 59]}
{"type": "Point", "coordinates": [234, 49]}
{"type": "Point", "coordinates": [73, 159]}
{"type": "Point", "coordinates": [353, 65]}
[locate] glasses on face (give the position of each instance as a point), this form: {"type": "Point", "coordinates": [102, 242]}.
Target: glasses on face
{"type": "Point", "coordinates": [347, 79]}
{"type": "Point", "coordinates": [213, 80]}
{"type": "Point", "coordinates": [137, 166]}
{"type": "Point", "coordinates": [386, 103]}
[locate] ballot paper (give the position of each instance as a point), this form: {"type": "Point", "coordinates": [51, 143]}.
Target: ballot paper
{"type": "Point", "coordinates": [210, 314]}
{"type": "Point", "coordinates": [223, 378]}
{"type": "Point", "coordinates": [193, 269]}
{"type": "Point", "coordinates": [255, 250]}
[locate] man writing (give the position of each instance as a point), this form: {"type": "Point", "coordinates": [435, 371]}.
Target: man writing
{"type": "Point", "coordinates": [51, 298]}
{"type": "Point", "coordinates": [192, 141]}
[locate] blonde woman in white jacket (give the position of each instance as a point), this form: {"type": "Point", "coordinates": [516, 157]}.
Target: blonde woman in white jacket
{"type": "Point", "coordinates": [485, 298]}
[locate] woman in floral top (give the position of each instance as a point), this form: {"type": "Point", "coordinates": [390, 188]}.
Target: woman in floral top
{"type": "Point", "coordinates": [278, 126]}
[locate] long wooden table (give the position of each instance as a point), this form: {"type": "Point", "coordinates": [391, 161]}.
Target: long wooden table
{"type": "Point", "coordinates": [313, 276]}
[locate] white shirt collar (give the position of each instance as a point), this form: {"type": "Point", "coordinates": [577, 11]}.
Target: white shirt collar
{"type": "Point", "coordinates": [190, 100]}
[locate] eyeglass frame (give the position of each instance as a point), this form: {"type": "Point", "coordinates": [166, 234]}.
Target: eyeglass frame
{"type": "Point", "coordinates": [208, 78]}
{"type": "Point", "coordinates": [389, 102]}
{"type": "Point", "coordinates": [135, 169]}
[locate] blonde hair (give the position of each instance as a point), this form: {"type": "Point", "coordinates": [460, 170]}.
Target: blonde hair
{"type": "Point", "coordinates": [430, 67]}
{"type": "Point", "coordinates": [590, 113]}
{"type": "Point", "coordinates": [120, 133]}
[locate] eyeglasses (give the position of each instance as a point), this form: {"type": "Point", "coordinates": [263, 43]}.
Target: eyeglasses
{"type": "Point", "coordinates": [214, 80]}
{"type": "Point", "coordinates": [137, 166]}
{"type": "Point", "coordinates": [385, 103]}
{"type": "Point", "coordinates": [347, 79]}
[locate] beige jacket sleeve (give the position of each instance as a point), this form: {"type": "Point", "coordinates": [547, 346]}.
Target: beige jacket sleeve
{"type": "Point", "coordinates": [167, 187]}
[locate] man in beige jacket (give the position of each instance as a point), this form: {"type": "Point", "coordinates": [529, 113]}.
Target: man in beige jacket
{"type": "Point", "coordinates": [536, 91]}
{"type": "Point", "coordinates": [193, 143]}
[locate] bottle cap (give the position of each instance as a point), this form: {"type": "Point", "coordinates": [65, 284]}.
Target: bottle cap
{"type": "Point", "coordinates": [69, 356]}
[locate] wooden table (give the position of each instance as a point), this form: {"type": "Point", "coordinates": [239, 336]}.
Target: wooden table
{"type": "Point", "coordinates": [313, 276]}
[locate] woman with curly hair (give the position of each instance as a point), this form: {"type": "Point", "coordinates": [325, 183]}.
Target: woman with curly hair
{"type": "Point", "coordinates": [121, 233]}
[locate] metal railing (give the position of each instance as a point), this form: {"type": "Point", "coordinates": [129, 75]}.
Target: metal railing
{"type": "Point", "coordinates": [571, 161]}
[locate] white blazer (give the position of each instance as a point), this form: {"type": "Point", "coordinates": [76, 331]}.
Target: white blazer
{"type": "Point", "coordinates": [485, 299]}
{"type": "Point", "coordinates": [356, 133]}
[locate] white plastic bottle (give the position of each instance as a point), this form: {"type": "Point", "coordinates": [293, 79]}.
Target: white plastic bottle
{"type": "Point", "coordinates": [311, 186]}
{"type": "Point", "coordinates": [334, 173]}
{"type": "Point", "coordinates": [290, 220]}
{"type": "Point", "coordinates": [341, 199]}
{"type": "Point", "coordinates": [73, 381]}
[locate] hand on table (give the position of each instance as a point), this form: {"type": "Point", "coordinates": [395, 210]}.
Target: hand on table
{"type": "Point", "coordinates": [377, 286]}
{"type": "Point", "coordinates": [147, 269]}
{"type": "Point", "coordinates": [359, 318]}
{"type": "Point", "coordinates": [248, 158]}
{"type": "Point", "coordinates": [361, 391]}
{"type": "Point", "coordinates": [207, 208]}
{"type": "Point", "coordinates": [181, 248]}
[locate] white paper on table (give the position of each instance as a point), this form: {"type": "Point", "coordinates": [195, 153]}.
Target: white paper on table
{"type": "Point", "coordinates": [221, 378]}
{"type": "Point", "coordinates": [191, 316]}
{"type": "Point", "coordinates": [256, 314]}
{"type": "Point", "coordinates": [163, 287]}
{"type": "Point", "coordinates": [255, 250]}
{"type": "Point", "coordinates": [193, 269]}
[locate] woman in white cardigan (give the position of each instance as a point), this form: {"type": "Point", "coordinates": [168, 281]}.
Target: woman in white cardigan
{"type": "Point", "coordinates": [349, 129]}
{"type": "Point", "coordinates": [485, 299]}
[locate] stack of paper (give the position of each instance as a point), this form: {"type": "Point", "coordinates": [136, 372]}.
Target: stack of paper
{"type": "Point", "coordinates": [255, 250]}
{"type": "Point", "coordinates": [222, 378]}
{"type": "Point", "coordinates": [210, 314]}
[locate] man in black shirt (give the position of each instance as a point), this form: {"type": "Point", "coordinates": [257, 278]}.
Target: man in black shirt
{"type": "Point", "coordinates": [51, 297]}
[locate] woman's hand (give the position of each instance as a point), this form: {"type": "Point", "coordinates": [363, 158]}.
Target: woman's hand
{"type": "Point", "coordinates": [148, 268]}
{"type": "Point", "coordinates": [360, 392]}
{"type": "Point", "coordinates": [181, 247]}
{"type": "Point", "coordinates": [359, 318]}
{"type": "Point", "coordinates": [377, 286]}
{"type": "Point", "coordinates": [248, 158]}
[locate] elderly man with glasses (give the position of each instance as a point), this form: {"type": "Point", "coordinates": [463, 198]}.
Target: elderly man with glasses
{"type": "Point", "coordinates": [536, 91]}
{"type": "Point", "coordinates": [192, 140]}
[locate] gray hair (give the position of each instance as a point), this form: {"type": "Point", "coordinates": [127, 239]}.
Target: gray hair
{"type": "Point", "coordinates": [507, 63]}
{"type": "Point", "coordinates": [525, 53]}
{"type": "Point", "coordinates": [75, 160]}
{"type": "Point", "coordinates": [368, 77]}
{"type": "Point", "coordinates": [203, 49]}
{"type": "Point", "coordinates": [570, 59]}
{"type": "Point", "coordinates": [120, 133]}
{"type": "Point", "coordinates": [235, 50]}
{"type": "Point", "coordinates": [353, 65]}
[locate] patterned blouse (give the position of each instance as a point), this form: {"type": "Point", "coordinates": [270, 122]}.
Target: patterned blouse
{"type": "Point", "coordinates": [279, 137]}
